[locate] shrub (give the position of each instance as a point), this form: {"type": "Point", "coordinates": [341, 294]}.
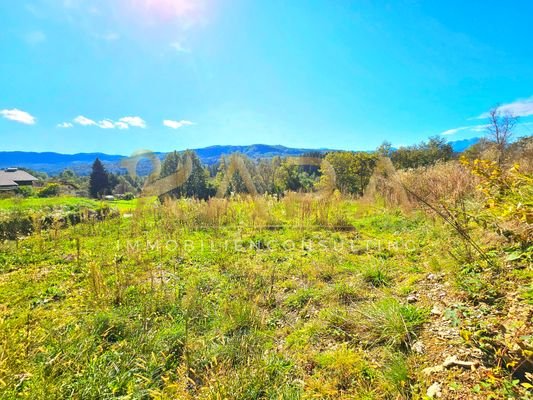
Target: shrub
{"type": "Point", "coordinates": [444, 184]}
{"type": "Point", "coordinates": [15, 225]}
{"type": "Point", "coordinates": [24, 191]}
{"type": "Point", "coordinates": [506, 199]}
{"type": "Point", "coordinates": [128, 196]}
{"type": "Point", "coordinates": [50, 190]}
{"type": "Point", "coordinates": [385, 185]}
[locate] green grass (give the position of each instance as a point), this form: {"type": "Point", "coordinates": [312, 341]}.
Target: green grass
{"type": "Point", "coordinates": [163, 305]}
{"type": "Point", "coordinates": [36, 204]}
{"type": "Point", "coordinates": [11, 204]}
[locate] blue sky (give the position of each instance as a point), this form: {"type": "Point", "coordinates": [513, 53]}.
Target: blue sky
{"type": "Point", "coordinates": [122, 75]}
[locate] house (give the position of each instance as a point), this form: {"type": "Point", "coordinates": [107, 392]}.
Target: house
{"type": "Point", "coordinates": [12, 178]}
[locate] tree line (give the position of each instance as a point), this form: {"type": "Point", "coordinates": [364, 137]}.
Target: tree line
{"type": "Point", "coordinates": [237, 173]}
{"type": "Point", "coordinates": [311, 171]}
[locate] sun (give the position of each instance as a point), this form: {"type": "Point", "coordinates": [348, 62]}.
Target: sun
{"type": "Point", "coordinates": [186, 10]}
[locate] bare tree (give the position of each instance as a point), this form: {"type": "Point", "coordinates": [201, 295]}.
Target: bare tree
{"type": "Point", "coordinates": [500, 130]}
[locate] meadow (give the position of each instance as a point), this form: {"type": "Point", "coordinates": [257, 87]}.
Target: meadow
{"type": "Point", "coordinates": [11, 204]}
{"type": "Point", "coordinates": [260, 298]}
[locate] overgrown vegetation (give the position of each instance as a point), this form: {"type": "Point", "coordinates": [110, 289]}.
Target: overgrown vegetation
{"type": "Point", "coordinates": [425, 282]}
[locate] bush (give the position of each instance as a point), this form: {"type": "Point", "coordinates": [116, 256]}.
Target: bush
{"type": "Point", "coordinates": [24, 191]}
{"type": "Point", "coordinates": [15, 225]}
{"type": "Point", "coordinates": [128, 196]}
{"type": "Point", "coordinates": [50, 190]}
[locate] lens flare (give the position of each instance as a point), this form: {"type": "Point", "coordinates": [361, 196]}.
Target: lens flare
{"type": "Point", "coordinates": [191, 11]}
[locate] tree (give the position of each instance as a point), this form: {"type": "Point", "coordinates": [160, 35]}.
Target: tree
{"type": "Point", "coordinates": [68, 175]}
{"type": "Point", "coordinates": [477, 150]}
{"type": "Point", "coordinates": [438, 149]}
{"type": "Point", "coordinates": [521, 151]}
{"type": "Point", "coordinates": [352, 170]}
{"type": "Point", "coordinates": [312, 169]}
{"type": "Point", "coordinates": [123, 186]}
{"type": "Point", "coordinates": [385, 149]}
{"type": "Point", "coordinates": [500, 131]}
{"type": "Point", "coordinates": [196, 183]}
{"type": "Point", "coordinates": [238, 174]}
{"type": "Point", "coordinates": [99, 180]}
{"type": "Point", "coordinates": [266, 170]}
{"type": "Point", "coordinates": [287, 177]}
{"type": "Point", "coordinates": [423, 154]}
{"type": "Point", "coordinates": [170, 166]}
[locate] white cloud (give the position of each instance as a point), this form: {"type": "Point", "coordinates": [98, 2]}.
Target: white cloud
{"type": "Point", "coordinates": [480, 128]}
{"type": "Point", "coordinates": [518, 108]}
{"type": "Point", "coordinates": [122, 123]}
{"type": "Point", "coordinates": [35, 37]}
{"type": "Point", "coordinates": [179, 47]}
{"type": "Point", "coordinates": [65, 125]}
{"type": "Point", "coordinates": [137, 122]}
{"type": "Point", "coordinates": [106, 124]}
{"type": "Point", "coordinates": [19, 116]}
{"type": "Point", "coordinates": [474, 128]}
{"type": "Point", "coordinates": [453, 131]}
{"type": "Point", "coordinates": [176, 124]}
{"type": "Point", "coordinates": [84, 121]}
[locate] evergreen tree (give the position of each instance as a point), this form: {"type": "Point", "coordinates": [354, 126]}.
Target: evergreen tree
{"type": "Point", "coordinates": [170, 166]}
{"type": "Point", "coordinates": [99, 180]}
{"type": "Point", "coordinates": [239, 175]}
{"type": "Point", "coordinates": [196, 185]}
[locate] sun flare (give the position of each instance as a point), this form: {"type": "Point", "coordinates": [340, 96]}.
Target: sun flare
{"type": "Point", "coordinates": [190, 10]}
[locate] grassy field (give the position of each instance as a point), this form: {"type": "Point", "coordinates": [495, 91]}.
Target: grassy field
{"type": "Point", "coordinates": [246, 299]}
{"type": "Point", "coordinates": [36, 204]}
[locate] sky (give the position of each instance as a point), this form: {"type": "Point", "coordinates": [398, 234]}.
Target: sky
{"type": "Point", "coordinates": [117, 76]}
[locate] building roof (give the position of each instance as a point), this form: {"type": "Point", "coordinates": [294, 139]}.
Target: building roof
{"type": "Point", "coordinates": [10, 177]}
{"type": "Point", "coordinates": [7, 183]}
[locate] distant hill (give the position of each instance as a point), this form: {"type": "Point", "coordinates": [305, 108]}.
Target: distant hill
{"type": "Point", "coordinates": [54, 163]}
{"type": "Point", "coordinates": [461, 145]}
{"type": "Point", "coordinates": [212, 154]}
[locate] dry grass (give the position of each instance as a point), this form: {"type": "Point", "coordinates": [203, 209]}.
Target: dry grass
{"type": "Point", "coordinates": [444, 183]}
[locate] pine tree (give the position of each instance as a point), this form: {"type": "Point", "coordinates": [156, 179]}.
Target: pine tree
{"type": "Point", "coordinates": [99, 180]}
{"type": "Point", "coordinates": [196, 185]}
{"type": "Point", "coordinates": [170, 166]}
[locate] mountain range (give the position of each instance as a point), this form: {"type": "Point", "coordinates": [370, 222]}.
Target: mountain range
{"type": "Point", "coordinates": [53, 163]}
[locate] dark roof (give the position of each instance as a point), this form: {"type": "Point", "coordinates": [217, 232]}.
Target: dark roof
{"type": "Point", "coordinates": [11, 176]}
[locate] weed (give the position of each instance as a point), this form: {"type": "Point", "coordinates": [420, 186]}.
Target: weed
{"type": "Point", "coordinates": [377, 277]}
{"type": "Point", "coordinates": [388, 321]}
